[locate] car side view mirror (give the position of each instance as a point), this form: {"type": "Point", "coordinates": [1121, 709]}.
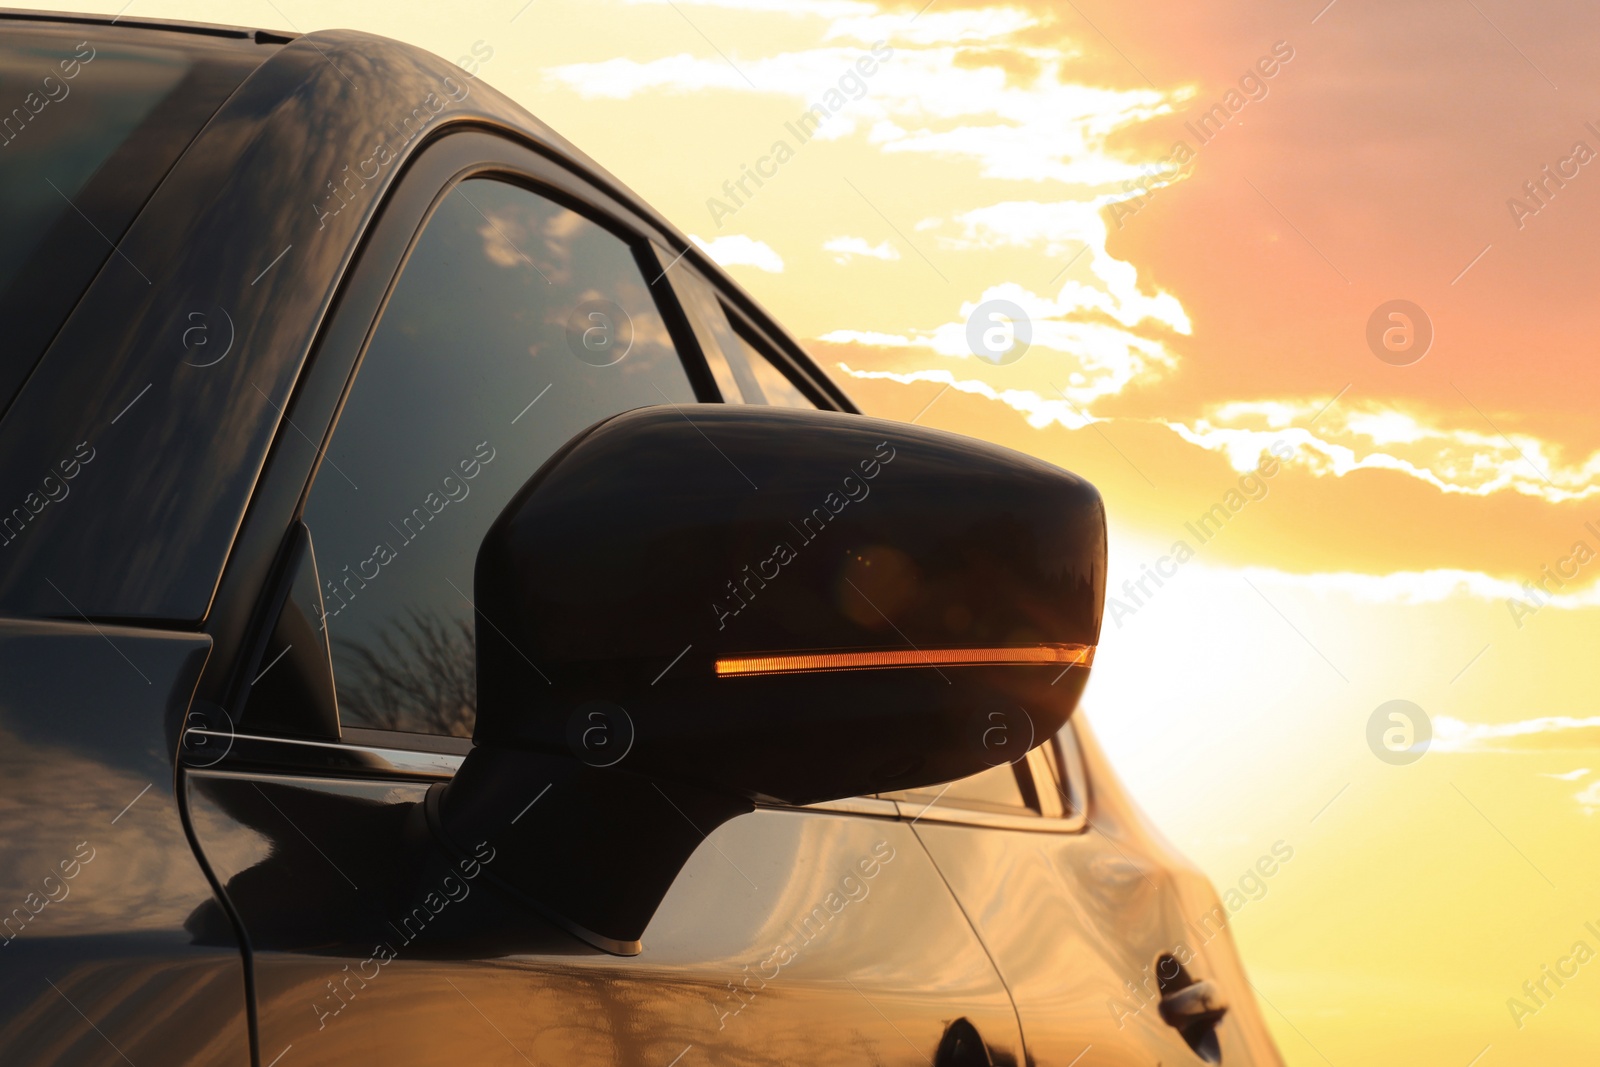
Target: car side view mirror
{"type": "Point", "coordinates": [684, 612]}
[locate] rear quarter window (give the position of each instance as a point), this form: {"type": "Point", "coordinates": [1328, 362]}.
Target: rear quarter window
{"type": "Point", "coordinates": [91, 118]}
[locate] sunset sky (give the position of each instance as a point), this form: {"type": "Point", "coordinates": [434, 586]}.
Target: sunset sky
{"type": "Point", "coordinates": [1199, 297]}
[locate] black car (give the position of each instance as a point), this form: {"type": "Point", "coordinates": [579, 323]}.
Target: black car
{"type": "Point", "coordinates": [444, 620]}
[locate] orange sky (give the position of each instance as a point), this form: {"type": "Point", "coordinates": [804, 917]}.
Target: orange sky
{"type": "Point", "coordinates": [1000, 151]}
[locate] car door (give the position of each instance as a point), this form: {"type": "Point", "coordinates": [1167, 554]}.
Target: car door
{"type": "Point", "coordinates": [1085, 913]}
{"type": "Point", "coordinates": [528, 306]}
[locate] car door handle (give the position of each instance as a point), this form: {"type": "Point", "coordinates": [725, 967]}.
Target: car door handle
{"type": "Point", "coordinates": [1196, 1007]}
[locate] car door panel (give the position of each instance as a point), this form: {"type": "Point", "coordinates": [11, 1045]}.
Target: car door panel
{"type": "Point", "coordinates": [1067, 920]}
{"type": "Point", "coordinates": [791, 936]}
{"type": "Point", "coordinates": [106, 948]}
{"type": "Point", "coordinates": [1084, 919]}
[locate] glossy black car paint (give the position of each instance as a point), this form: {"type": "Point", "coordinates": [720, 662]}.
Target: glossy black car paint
{"type": "Point", "coordinates": [255, 899]}
{"type": "Point", "coordinates": [104, 945]}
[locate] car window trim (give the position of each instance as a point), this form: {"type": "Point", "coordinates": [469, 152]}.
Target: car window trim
{"type": "Point", "coordinates": [683, 324]}
{"type": "Point", "coordinates": [702, 301]}
{"type": "Point", "coordinates": [1036, 822]}
{"type": "Point", "coordinates": [1047, 796]}
{"type": "Point", "coordinates": [1076, 772]}
{"type": "Point", "coordinates": [396, 754]}
{"type": "Point", "coordinates": [450, 157]}
{"type": "Point", "coordinates": [750, 333]}
{"type": "Point", "coordinates": [571, 197]}
{"type": "Point", "coordinates": [375, 759]}
{"type": "Point", "coordinates": [329, 759]}
{"type": "Point", "coordinates": [954, 812]}
{"type": "Point", "coordinates": [988, 820]}
{"type": "Point", "coordinates": [318, 399]}
{"type": "Point", "coordinates": [604, 215]}
{"type": "Point", "coordinates": [739, 305]}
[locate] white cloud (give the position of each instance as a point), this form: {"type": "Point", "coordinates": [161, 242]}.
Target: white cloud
{"type": "Point", "coordinates": [922, 100]}
{"type": "Point", "coordinates": [1066, 230]}
{"type": "Point", "coordinates": [1039, 410]}
{"type": "Point", "coordinates": [847, 248]}
{"type": "Point", "coordinates": [1422, 587]}
{"type": "Point", "coordinates": [1090, 335]}
{"type": "Point", "coordinates": [935, 27]}
{"type": "Point", "coordinates": [739, 250]}
{"type": "Point", "coordinates": [930, 93]}
{"type": "Point", "coordinates": [1081, 358]}
{"type": "Point", "coordinates": [1405, 588]}
{"type": "Point", "coordinates": [1344, 439]}
{"type": "Point", "coordinates": [935, 92]}
{"type": "Point", "coordinates": [876, 340]}
{"type": "Point", "coordinates": [1454, 735]}
{"type": "Point", "coordinates": [864, 21]}
{"type": "Point", "coordinates": [1550, 732]}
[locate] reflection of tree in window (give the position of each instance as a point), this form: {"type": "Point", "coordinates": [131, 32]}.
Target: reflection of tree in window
{"type": "Point", "coordinates": [419, 677]}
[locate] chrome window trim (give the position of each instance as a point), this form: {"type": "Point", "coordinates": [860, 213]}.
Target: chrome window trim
{"type": "Point", "coordinates": [1076, 771]}
{"type": "Point", "coordinates": [988, 820]}
{"type": "Point", "coordinates": [305, 757]}
{"type": "Point", "coordinates": [871, 807]}
{"type": "Point", "coordinates": [372, 737]}
{"type": "Point", "coordinates": [340, 758]}
{"type": "Point", "coordinates": [1052, 804]}
{"type": "Point", "coordinates": [1044, 784]}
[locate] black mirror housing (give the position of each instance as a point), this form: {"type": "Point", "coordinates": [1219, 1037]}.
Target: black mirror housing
{"type": "Point", "coordinates": [787, 605]}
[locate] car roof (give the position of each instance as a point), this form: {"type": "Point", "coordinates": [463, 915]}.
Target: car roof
{"type": "Point", "coordinates": [177, 466]}
{"type": "Point", "coordinates": [232, 37]}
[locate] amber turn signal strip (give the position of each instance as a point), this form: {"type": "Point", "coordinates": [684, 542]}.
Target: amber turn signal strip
{"type": "Point", "coordinates": [807, 662]}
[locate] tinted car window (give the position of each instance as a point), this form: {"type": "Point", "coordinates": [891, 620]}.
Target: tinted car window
{"type": "Point", "coordinates": [516, 323]}
{"type": "Point", "coordinates": [89, 123]}
{"type": "Point", "coordinates": [743, 370]}
{"type": "Point", "coordinates": [52, 148]}
{"type": "Point", "coordinates": [775, 385]}
{"type": "Point", "coordinates": [721, 345]}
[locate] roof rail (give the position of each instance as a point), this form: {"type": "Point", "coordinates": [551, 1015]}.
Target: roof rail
{"type": "Point", "coordinates": [201, 28]}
